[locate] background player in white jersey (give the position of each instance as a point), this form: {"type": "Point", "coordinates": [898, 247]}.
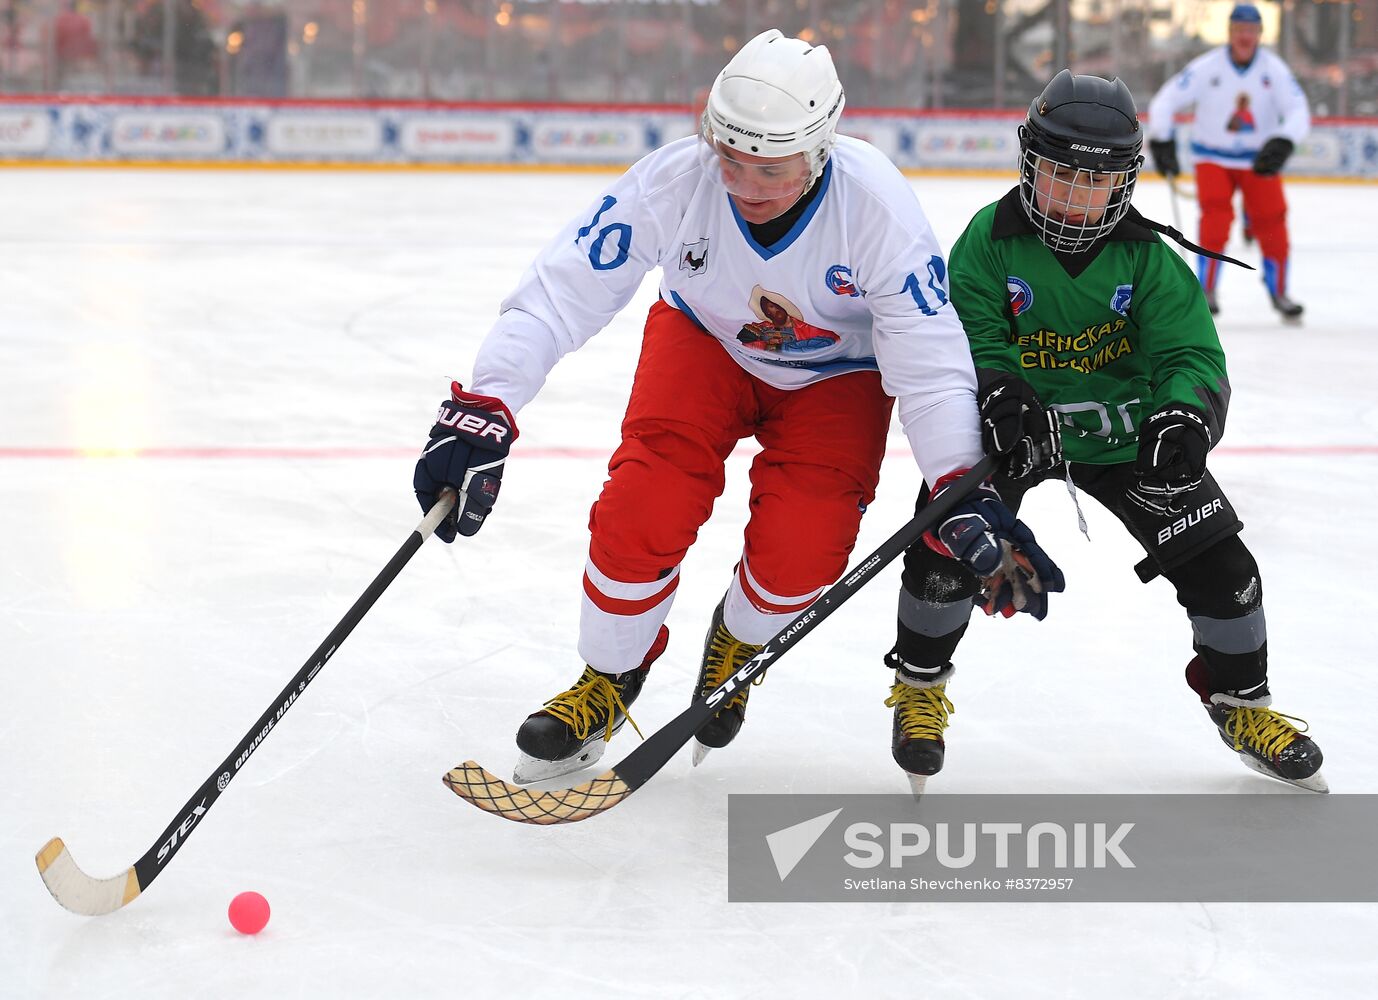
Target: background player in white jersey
{"type": "Point", "coordinates": [801, 288]}
{"type": "Point", "coordinates": [1250, 115]}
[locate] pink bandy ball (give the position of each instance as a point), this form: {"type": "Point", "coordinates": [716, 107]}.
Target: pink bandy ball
{"type": "Point", "coordinates": [249, 913]}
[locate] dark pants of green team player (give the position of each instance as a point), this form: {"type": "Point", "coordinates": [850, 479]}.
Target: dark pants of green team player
{"type": "Point", "coordinates": [1197, 549]}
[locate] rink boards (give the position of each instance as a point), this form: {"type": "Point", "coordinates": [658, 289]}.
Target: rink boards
{"type": "Point", "coordinates": [171, 130]}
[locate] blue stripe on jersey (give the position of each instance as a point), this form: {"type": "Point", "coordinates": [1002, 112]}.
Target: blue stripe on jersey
{"type": "Point", "coordinates": [683, 307]}
{"type": "Point", "coordinates": [795, 231]}
{"type": "Point", "coordinates": [834, 367]}
{"type": "Point", "coordinates": [1224, 154]}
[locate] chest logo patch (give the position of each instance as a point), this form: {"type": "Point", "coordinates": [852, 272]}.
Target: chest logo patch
{"type": "Point", "coordinates": [1021, 295]}
{"type": "Point", "coordinates": [1124, 294]}
{"type": "Point", "coordinates": [839, 279]}
{"type": "Point", "coordinates": [694, 257]}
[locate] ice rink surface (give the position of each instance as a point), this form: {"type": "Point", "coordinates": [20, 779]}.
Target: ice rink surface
{"type": "Point", "coordinates": [212, 389]}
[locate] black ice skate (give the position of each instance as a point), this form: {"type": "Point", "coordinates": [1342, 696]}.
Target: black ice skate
{"type": "Point", "coordinates": [1288, 309]}
{"type": "Point", "coordinates": [723, 656]}
{"type": "Point", "coordinates": [574, 728]}
{"type": "Point", "coordinates": [921, 713]}
{"type": "Point", "coordinates": [1211, 303]}
{"type": "Point", "coordinates": [1265, 740]}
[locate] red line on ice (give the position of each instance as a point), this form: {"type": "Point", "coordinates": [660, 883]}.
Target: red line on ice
{"type": "Point", "coordinates": [524, 453]}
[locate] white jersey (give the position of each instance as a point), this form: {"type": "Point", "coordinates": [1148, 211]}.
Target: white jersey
{"type": "Point", "coordinates": [858, 283]}
{"type": "Point", "coordinates": [1237, 109]}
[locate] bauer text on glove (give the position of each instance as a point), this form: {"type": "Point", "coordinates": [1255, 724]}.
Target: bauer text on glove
{"type": "Point", "coordinates": [467, 449]}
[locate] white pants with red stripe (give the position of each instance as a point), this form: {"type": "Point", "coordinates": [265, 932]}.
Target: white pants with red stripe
{"type": "Point", "coordinates": [821, 448]}
{"type": "Point", "coordinates": [618, 621]}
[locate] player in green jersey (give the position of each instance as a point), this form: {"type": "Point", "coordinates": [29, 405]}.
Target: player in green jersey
{"type": "Point", "coordinates": [1077, 382]}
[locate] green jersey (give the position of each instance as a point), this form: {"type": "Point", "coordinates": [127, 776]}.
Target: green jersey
{"type": "Point", "coordinates": [1104, 337]}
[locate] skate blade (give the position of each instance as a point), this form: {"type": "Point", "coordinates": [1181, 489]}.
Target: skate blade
{"type": "Point", "coordinates": [700, 752]}
{"type": "Point", "coordinates": [917, 783]}
{"type": "Point", "coordinates": [532, 769]}
{"type": "Point", "coordinates": [1315, 783]}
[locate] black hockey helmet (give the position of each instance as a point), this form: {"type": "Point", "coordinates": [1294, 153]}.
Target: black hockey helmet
{"type": "Point", "coordinates": [1089, 127]}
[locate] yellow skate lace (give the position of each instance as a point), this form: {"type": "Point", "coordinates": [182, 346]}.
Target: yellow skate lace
{"type": "Point", "coordinates": [923, 711]}
{"type": "Point", "coordinates": [726, 654]}
{"type": "Point", "coordinates": [593, 697]}
{"type": "Point", "coordinates": [1264, 730]}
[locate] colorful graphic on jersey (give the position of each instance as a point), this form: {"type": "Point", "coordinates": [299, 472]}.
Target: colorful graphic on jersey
{"type": "Point", "coordinates": [1124, 294]}
{"type": "Point", "coordinates": [840, 281]}
{"type": "Point", "coordinates": [1243, 119]}
{"type": "Point", "coordinates": [1021, 295]}
{"type": "Point", "coordinates": [694, 257]}
{"type": "Point", "coordinates": [780, 327]}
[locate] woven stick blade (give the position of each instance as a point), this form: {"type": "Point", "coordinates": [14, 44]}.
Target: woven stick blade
{"type": "Point", "coordinates": [480, 787]}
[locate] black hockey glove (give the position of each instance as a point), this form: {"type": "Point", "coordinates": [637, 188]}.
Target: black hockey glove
{"type": "Point", "coordinates": [1272, 156]}
{"type": "Point", "coordinates": [1015, 424]}
{"type": "Point", "coordinates": [1165, 157]}
{"type": "Point", "coordinates": [467, 449]}
{"type": "Point", "coordinates": [1173, 444]}
{"type": "Point", "coordinates": [983, 534]}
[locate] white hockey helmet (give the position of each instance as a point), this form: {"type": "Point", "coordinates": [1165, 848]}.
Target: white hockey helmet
{"type": "Point", "coordinates": [776, 97]}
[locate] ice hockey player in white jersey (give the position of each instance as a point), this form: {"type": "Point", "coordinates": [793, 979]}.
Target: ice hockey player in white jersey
{"type": "Point", "coordinates": [1250, 115]}
{"type": "Point", "coordinates": [801, 288]}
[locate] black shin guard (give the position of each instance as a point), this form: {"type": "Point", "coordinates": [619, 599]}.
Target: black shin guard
{"type": "Point", "coordinates": [934, 609]}
{"type": "Point", "coordinates": [1222, 593]}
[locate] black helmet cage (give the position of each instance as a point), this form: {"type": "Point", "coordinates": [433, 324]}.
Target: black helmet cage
{"type": "Point", "coordinates": [1090, 126]}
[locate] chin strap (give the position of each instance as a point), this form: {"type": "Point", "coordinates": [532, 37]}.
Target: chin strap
{"type": "Point", "coordinates": [1182, 241]}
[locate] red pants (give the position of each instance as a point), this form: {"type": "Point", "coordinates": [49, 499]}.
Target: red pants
{"type": "Point", "coordinates": [1263, 202]}
{"type": "Point", "coordinates": [689, 406]}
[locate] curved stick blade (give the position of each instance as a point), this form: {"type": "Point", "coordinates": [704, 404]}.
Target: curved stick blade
{"type": "Point", "coordinates": [79, 892]}
{"type": "Point", "coordinates": [482, 788]}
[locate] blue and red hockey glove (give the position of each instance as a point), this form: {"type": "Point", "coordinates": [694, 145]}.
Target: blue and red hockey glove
{"type": "Point", "coordinates": [467, 449]}
{"type": "Point", "coordinates": [984, 535]}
